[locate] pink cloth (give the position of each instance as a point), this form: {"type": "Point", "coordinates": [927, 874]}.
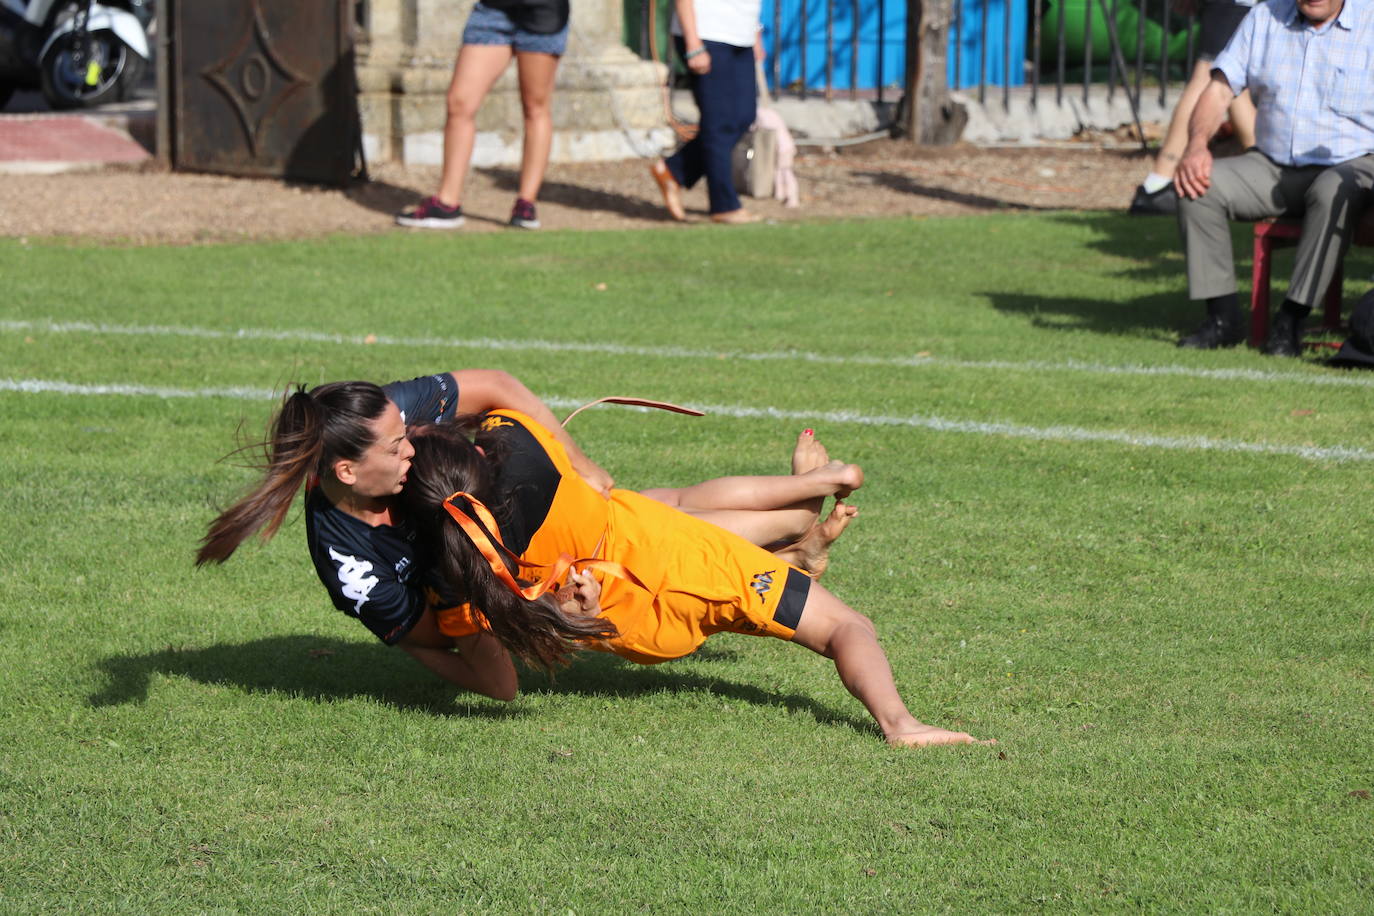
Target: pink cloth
{"type": "Point", "coordinates": [784, 178]}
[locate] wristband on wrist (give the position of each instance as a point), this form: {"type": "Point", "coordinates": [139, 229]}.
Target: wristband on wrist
{"type": "Point", "coordinates": [693, 53]}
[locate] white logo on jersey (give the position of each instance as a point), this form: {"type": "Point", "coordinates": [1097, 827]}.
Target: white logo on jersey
{"type": "Point", "coordinates": [353, 576]}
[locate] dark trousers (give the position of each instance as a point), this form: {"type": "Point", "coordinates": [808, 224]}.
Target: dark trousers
{"type": "Point", "coordinates": [727, 100]}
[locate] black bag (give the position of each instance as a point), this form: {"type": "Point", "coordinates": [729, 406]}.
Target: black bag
{"type": "Point", "coordinates": [1358, 350]}
{"type": "Point", "coordinates": [542, 17]}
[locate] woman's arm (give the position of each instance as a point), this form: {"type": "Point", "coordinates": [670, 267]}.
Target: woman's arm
{"type": "Point", "coordinates": [481, 390]}
{"type": "Point", "coordinates": [477, 662]}
{"type": "Point", "coordinates": [694, 51]}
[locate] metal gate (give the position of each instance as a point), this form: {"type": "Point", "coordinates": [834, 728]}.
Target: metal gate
{"type": "Point", "coordinates": [258, 87]}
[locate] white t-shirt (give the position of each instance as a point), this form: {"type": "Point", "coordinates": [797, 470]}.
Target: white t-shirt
{"type": "Point", "coordinates": [733, 22]}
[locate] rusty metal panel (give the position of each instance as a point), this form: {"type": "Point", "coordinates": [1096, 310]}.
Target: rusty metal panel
{"type": "Point", "coordinates": [262, 87]}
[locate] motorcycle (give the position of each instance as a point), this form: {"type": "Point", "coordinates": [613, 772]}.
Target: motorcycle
{"type": "Point", "coordinates": [79, 53]}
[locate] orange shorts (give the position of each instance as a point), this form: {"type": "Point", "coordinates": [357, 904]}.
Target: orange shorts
{"type": "Point", "coordinates": [699, 580]}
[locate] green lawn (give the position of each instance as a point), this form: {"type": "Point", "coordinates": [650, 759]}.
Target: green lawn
{"type": "Point", "coordinates": [1144, 571]}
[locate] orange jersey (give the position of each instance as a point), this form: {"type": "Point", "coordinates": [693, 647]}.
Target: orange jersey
{"type": "Point", "coordinates": [694, 579]}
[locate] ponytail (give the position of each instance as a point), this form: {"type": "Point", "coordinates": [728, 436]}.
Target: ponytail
{"type": "Point", "coordinates": [537, 631]}
{"type": "Point", "coordinates": [311, 431]}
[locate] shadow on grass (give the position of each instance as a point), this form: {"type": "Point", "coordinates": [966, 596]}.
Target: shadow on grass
{"type": "Point", "coordinates": [1146, 250]}
{"type": "Point", "coordinates": [905, 184]}
{"type": "Point", "coordinates": [1152, 242]}
{"type": "Point", "coordinates": [581, 198]}
{"type": "Point", "coordinates": [313, 667]}
{"type": "Point", "coordinates": [327, 670]}
{"type": "Point", "coordinates": [600, 674]}
{"type": "Point", "coordinates": [1156, 316]}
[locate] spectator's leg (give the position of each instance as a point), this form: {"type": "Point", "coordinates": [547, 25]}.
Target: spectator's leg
{"type": "Point", "coordinates": [1245, 187]}
{"type": "Point", "coordinates": [1242, 112]}
{"type": "Point", "coordinates": [1334, 202]}
{"type": "Point", "coordinates": [738, 102]}
{"type": "Point", "coordinates": [717, 97]}
{"type": "Point", "coordinates": [474, 74]}
{"type": "Point", "coordinates": [688, 164]}
{"type": "Point", "coordinates": [537, 73]}
{"type": "Point", "coordinates": [1176, 138]}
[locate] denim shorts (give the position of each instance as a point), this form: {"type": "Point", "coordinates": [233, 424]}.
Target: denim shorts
{"type": "Point", "coordinates": [487, 26]}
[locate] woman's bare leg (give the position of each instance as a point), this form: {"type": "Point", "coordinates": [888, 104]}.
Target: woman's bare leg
{"type": "Point", "coordinates": [762, 493]}
{"type": "Point", "coordinates": [1242, 112]}
{"type": "Point", "coordinates": [474, 73]}
{"type": "Point", "coordinates": [1176, 138]}
{"type": "Point", "coordinates": [763, 527]}
{"type": "Point", "coordinates": [537, 72]}
{"type": "Point", "coordinates": [833, 629]}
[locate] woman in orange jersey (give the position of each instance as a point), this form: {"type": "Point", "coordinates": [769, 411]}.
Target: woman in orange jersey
{"type": "Point", "coordinates": [508, 519]}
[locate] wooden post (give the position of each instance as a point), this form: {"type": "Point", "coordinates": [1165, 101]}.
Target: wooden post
{"type": "Point", "coordinates": [928, 116]}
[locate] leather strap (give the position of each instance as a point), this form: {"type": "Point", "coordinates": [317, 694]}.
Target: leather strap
{"type": "Point", "coordinates": [636, 402]}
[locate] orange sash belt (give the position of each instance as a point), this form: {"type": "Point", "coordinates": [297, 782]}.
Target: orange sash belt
{"type": "Point", "coordinates": [492, 547]}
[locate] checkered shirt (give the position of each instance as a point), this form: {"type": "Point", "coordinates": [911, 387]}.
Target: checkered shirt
{"type": "Point", "coordinates": [1313, 88]}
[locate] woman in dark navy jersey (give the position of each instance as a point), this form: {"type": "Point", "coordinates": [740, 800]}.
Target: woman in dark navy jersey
{"type": "Point", "coordinates": [346, 442]}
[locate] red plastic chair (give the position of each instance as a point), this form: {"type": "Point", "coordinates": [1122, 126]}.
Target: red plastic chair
{"type": "Point", "coordinates": [1284, 233]}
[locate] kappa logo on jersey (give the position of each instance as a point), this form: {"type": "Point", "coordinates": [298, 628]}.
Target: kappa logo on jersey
{"type": "Point", "coordinates": [491, 423]}
{"type": "Point", "coordinates": [353, 576]}
{"type": "Point", "coordinates": [762, 583]}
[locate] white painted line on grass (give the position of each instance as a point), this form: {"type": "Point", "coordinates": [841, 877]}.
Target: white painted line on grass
{"type": "Point", "coordinates": [46, 386]}
{"type": "Point", "coordinates": [936, 424]}
{"type": "Point", "coordinates": [1333, 379]}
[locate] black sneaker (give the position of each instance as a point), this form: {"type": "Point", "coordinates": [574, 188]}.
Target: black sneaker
{"type": "Point", "coordinates": [1215, 332]}
{"type": "Point", "coordinates": [1163, 202]}
{"type": "Point", "coordinates": [1285, 336]}
{"type": "Point", "coordinates": [522, 215]}
{"type": "Point", "coordinates": [431, 214]}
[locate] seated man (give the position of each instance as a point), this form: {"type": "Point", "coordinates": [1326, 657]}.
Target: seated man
{"type": "Point", "coordinates": [1308, 65]}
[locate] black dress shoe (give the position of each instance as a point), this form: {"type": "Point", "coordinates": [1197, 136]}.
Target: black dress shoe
{"type": "Point", "coordinates": [1285, 336]}
{"type": "Point", "coordinates": [1163, 202]}
{"type": "Point", "coordinates": [1215, 332]}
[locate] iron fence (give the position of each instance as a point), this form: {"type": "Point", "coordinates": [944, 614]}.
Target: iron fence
{"type": "Point", "coordinates": [857, 48]}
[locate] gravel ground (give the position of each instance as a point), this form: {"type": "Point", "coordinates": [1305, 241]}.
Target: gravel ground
{"type": "Point", "coordinates": [145, 205]}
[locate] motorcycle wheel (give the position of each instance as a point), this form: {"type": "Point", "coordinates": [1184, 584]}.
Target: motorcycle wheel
{"type": "Point", "coordinates": [83, 71]}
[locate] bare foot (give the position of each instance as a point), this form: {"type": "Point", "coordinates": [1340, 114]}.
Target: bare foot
{"type": "Point", "coordinates": [848, 477]}
{"type": "Point", "coordinates": [930, 736]}
{"type": "Point", "coordinates": [808, 454]}
{"type": "Point", "coordinates": [812, 552]}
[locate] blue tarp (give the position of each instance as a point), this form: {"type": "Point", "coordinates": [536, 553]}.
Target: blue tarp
{"type": "Point", "coordinates": [882, 32]}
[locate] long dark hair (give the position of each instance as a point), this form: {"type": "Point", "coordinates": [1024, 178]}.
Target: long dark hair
{"type": "Point", "coordinates": [312, 430]}
{"type": "Point", "coordinates": [446, 462]}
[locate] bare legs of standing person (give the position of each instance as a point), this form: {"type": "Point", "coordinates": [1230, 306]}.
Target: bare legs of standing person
{"type": "Point", "coordinates": [474, 73]}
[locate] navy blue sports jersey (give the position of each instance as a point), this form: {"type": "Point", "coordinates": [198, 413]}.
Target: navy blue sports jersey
{"type": "Point", "coordinates": [427, 399]}
{"type": "Point", "coordinates": [378, 574]}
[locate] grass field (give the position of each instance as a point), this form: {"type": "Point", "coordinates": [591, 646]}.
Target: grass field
{"type": "Point", "coordinates": [1146, 572]}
